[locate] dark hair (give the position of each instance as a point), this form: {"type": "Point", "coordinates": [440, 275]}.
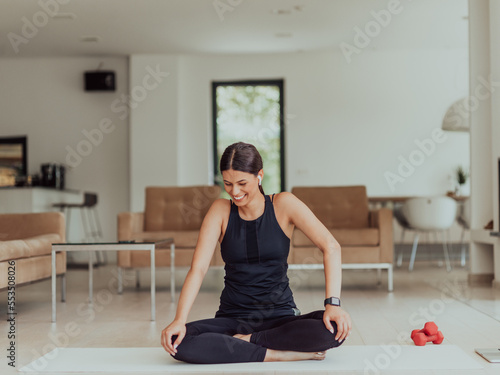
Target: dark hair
{"type": "Point", "coordinates": [242, 157]}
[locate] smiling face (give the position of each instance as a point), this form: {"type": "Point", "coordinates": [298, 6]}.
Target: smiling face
{"type": "Point", "coordinates": [241, 186]}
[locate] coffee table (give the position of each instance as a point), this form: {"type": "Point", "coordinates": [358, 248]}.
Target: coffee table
{"type": "Point", "coordinates": [144, 245]}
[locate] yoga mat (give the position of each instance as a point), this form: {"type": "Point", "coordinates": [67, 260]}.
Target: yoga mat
{"type": "Point", "coordinates": [369, 359]}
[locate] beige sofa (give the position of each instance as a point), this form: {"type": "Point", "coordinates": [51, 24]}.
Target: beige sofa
{"type": "Point", "coordinates": [365, 236]}
{"type": "Point", "coordinates": [27, 240]}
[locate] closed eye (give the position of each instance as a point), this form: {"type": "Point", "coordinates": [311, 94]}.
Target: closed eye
{"type": "Point", "coordinates": [229, 184]}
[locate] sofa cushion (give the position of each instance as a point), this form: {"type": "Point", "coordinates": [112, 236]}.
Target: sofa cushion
{"type": "Point", "coordinates": [337, 207]}
{"type": "Point", "coordinates": [14, 249]}
{"type": "Point", "coordinates": [28, 247]}
{"type": "Point", "coordinates": [345, 237]}
{"type": "Point", "coordinates": [177, 208]}
{"type": "Point", "coordinates": [182, 239]}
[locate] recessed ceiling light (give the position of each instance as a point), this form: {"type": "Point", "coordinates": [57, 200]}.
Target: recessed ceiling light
{"type": "Point", "coordinates": [283, 35]}
{"type": "Point", "coordinates": [64, 16]}
{"type": "Point", "coordinates": [90, 39]}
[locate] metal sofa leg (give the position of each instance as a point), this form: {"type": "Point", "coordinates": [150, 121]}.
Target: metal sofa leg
{"type": "Point", "coordinates": [400, 253]}
{"type": "Point", "coordinates": [390, 280]}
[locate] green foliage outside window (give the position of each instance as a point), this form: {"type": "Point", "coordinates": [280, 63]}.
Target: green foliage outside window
{"type": "Point", "coordinates": [251, 114]}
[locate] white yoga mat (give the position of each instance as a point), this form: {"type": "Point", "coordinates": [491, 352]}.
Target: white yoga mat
{"type": "Point", "coordinates": [369, 359]}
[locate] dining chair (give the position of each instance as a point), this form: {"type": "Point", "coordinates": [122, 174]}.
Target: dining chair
{"type": "Point", "coordinates": [430, 214]}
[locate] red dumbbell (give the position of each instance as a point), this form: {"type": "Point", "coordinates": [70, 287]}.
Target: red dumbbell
{"type": "Point", "coordinates": [430, 328]}
{"type": "Point", "coordinates": [420, 339]}
{"type": "Point", "coordinates": [429, 333]}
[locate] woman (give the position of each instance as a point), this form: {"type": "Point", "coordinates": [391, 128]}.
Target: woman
{"type": "Point", "coordinates": [257, 319]}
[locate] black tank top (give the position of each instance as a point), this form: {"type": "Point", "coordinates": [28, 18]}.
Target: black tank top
{"type": "Point", "coordinates": [256, 281]}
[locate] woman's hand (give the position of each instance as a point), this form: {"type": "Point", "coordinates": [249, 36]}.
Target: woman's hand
{"type": "Point", "coordinates": [339, 316]}
{"type": "Point", "coordinates": [175, 328]}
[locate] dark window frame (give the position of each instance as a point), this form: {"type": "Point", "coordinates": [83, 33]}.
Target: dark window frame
{"type": "Point", "coordinates": [260, 82]}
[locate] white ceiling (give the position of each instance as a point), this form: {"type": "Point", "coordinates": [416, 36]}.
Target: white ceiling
{"type": "Point", "coordinates": [126, 27]}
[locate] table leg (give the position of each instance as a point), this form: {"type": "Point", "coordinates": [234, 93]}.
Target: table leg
{"type": "Point", "coordinates": [153, 286]}
{"type": "Point", "coordinates": [91, 277]}
{"type": "Point", "coordinates": [390, 286]}
{"type": "Point", "coordinates": [63, 287]}
{"type": "Point", "coordinates": [172, 272]}
{"type": "Point", "coordinates": [53, 285]}
{"type": "Point", "coordinates": [120, 280]}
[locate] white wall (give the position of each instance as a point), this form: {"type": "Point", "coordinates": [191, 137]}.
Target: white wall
{"type": "Point", "coordinates": [482, 165]}
{"type": "Point", "coordinates": [153, 124]}
{"type": "Point", "coordinates": [495, 111]}
{"type": "Point", "coordinates": [485, 122]}
{"type": "Point", "coordinates": [44, 98]}
{"type": "Point", "coordinates": [495, 123]}
{"type": "Point", "coordinates": [347, 123]}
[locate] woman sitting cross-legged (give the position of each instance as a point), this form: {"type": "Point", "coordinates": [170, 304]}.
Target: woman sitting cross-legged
{"type": "Point", "coordinates": [257, 318]}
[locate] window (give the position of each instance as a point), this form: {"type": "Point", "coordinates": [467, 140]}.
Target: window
{"type": "Point", "coordinates": [251, 112]}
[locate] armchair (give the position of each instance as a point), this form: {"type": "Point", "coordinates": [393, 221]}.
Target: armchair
{"type": "Point", "coordinates": [365, 236]}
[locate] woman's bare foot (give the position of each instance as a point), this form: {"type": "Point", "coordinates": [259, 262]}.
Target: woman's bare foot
{"type": "Point", "coordinates": [282, 355]}
{"type": "Point", "coordinates": [242, 337]}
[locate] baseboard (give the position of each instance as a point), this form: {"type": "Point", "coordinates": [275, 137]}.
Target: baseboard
{"type": "Point", "coordinates": [481, 279]}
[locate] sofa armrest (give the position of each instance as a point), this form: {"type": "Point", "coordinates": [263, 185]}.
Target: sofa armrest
{"type": "Point", "coordinates": [129, 223]}
{"type": "Point", "coordinates": [382, 219]}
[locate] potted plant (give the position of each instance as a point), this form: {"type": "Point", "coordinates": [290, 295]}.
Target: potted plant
{"type": "Point", "coordinates": [462, 176]}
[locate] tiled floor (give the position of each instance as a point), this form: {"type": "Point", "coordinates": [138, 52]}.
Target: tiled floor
{"type": "Point", "coordinates": [468, 317]}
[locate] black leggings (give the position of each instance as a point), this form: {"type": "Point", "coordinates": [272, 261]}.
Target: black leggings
{"type": "Point", "coordinates": [212, 341]}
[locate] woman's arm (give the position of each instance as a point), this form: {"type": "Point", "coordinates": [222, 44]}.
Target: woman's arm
{"type": "Point", "coordinates": [303, 218]}
{"type": "Point", "coordinates": [207, 240]}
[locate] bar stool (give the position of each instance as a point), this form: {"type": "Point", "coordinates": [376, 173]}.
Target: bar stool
{"type": "Point", "coordinates": [91, 225]}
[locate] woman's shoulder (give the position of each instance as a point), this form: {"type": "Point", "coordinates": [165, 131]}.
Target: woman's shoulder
{"type": "Point", "coordinates": [284, 199]}
{"type": "Point", "coordinates": [219, 209]}
{"type": "Point", "coordinates": [221, 204]}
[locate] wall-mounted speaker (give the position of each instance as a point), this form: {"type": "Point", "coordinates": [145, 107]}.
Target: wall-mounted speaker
{"type": "Point", "coordinates": [100, 81]}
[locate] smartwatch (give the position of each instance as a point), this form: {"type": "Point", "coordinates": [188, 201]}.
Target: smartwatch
{"type": "Point", "coordinates": [332, 301]}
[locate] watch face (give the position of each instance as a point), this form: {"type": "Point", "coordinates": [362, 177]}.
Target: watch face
{"type": "Point", "coordinates": [332, 301]}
